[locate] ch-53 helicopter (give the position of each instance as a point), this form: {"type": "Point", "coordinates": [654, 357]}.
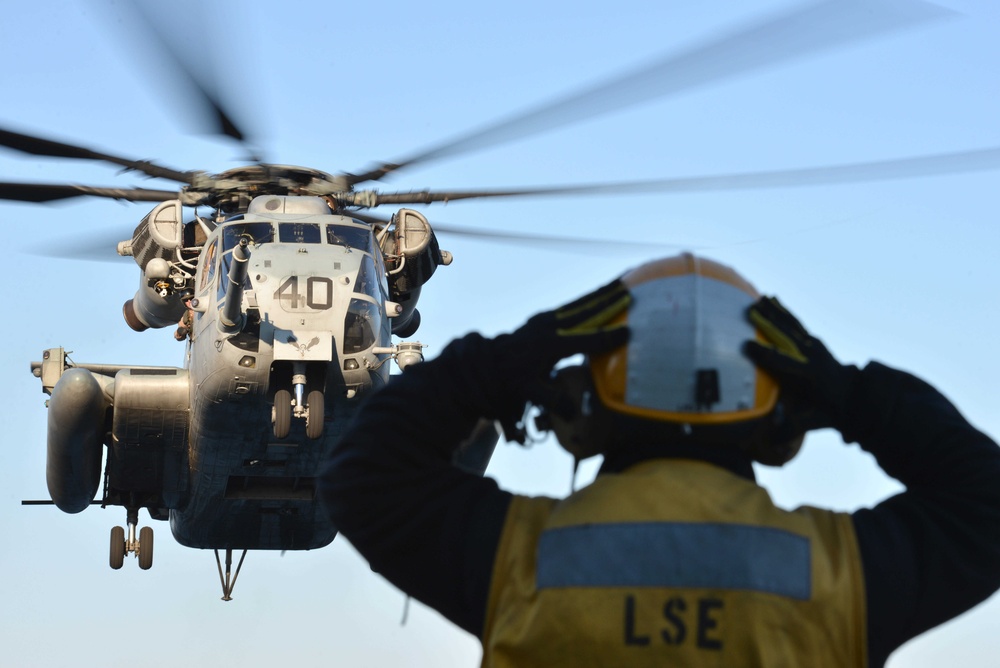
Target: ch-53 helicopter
{"type": "Point", "coordinates": [288, 293]}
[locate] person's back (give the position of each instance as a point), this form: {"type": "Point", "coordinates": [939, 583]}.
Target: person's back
{"type": "Point", "coordinates": [670, 560]}
{"type": "Point", "coordinates": [673, 555]}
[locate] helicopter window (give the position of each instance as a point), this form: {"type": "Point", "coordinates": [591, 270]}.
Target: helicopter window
{"type": "Point", "coordinates": [258, 233]}
{"type": "Point", "coordinates": [350, 236]}
{"type": "Point", "coordinates": [361, 326]}
{"type": "Point", "coordinates": [208, 267]}
{"type": "Point", "coordinates": [383, 280]}
{"type": "Point", "coordinates": [367, 281]}
{"type": "Point", "coordinates": [299, 233]}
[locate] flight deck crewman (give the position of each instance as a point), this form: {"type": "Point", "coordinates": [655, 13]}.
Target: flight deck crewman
{"type": "Point", "coordinates": [673, 555]}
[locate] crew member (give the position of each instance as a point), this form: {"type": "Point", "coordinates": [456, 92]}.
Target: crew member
{"type": "Point", "coordinates": [673, 555]}
{"type": "Point", "coordinates": [186, 324]}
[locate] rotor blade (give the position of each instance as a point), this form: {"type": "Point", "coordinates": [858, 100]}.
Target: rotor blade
{"type": "Point", "coordinates": [534, 240]}
{"type": "Point", "coordinates": [45, 192]}
{"type": "Point", "coordinates": [939, 164]}
{"type": "Point", "coordinates": [552, 242]}
{"type": "Point", "coordinates": [371, 219]}
{"type": "Point", "coordinates": [95, 246]}
{"type": "Point", "coordinates": [803, 31]}
{"type": "Point", "coordinates": [47, 147]}
{"type": "Point", "coordinates": [190, 70]}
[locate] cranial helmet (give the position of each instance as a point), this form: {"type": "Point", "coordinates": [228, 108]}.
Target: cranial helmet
{"type": "Point", "coordinates": [682, 376]}
{"type": "Point", "coordinates": [683, 362]}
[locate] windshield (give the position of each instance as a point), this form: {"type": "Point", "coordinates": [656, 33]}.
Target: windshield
{"type": "Point", "coordinates": [299, 233]}
{"type": "Point", "coordinates": [368, 279]}
{"type": "Point", "coordinates": [361, 326]}
{"type": "Point", "coordinates": [351, 236]}
{"type": "Point", "coordinates": [258, 233]}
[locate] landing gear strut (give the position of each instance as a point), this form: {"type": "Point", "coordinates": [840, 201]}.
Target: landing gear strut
{"type": "Point", "coordinates": [229, 584]}
{"type": "Point", "coordinates": [121, 546]}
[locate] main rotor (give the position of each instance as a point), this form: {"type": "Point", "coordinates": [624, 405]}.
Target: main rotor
{"type": "Point", "coordinates": [798, 33]}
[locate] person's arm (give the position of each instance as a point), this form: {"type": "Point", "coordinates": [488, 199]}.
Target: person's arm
{"type": "Point", "coordinates": [390, 486]}
{"type": "Point", "coordinates": [933, 551]}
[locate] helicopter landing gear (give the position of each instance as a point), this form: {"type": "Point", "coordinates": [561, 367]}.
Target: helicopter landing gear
{"type": "Point", "coordinates": [117, 547]}
{"type": "Point", "coordinates": [309, 407]}
{"type": "Point", "coordinates": [314, 416]}
{"type": "Point", "coordinates": [229, 584]}
{"type": "Point", "coordinates": [145, 548]}
{"type": "Point", "coordinates": [142, 546]}
{"type": "Point", "coordinates": [282, 413]}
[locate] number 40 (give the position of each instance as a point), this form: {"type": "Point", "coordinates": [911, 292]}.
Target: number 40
{"type": "Point", "coordinates": [319, 292]}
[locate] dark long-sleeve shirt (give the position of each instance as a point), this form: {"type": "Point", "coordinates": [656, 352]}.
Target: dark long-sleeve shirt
{"type": "Point", "coordinates": [432, 529]}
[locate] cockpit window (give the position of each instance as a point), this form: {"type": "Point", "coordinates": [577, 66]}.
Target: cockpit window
{"type": "Point", "coordinates": [299, 233]}
{"type": "Point", "coordinates": [208, 265]}
{"type": "Point", "coordinates": [258, 233]}
{"type": "Point", "coordinates": [361, 326]}
{"type": "Point", "coordinates": [359, 237]}
{"type": "Point", "coordinates": [367, 281]}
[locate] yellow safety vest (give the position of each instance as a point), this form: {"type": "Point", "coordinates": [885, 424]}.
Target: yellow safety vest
{"type": "Point", "coordinates": [674, 563]}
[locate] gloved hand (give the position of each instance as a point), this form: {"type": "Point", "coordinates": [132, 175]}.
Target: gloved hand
{"type": "Point", "coordinates": [523, 360]}
{"type": "Point", "coordinates": [815, 387]}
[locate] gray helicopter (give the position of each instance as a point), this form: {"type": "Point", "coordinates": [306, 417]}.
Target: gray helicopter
{"type": "Point", "coordinates": [288, 292]}
{"type": "Point", "coordinates": [288, 309]}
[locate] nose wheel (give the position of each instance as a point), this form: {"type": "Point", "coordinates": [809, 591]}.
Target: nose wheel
{"type": "Point", "coordinates": [314, 414]}
{"type": "Point", "coordinates": [141, 546]}
{"type": "Point", "coordinates": [282, 413]}
{"type": "Point", "coordinates": [298, 404]}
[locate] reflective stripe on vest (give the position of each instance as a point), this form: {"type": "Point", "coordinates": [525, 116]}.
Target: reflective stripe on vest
{"type": "Point", "coordinates": [675, 554]}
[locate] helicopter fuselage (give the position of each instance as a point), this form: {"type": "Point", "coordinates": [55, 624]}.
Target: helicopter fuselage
{"type": "Point", "coordinates": [313, 310]}
{"type": "Point", "coordinates": [286, 314]}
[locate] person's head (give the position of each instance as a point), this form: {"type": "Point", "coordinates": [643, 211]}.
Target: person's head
{"type": "Point", "coordinates": [682, 377]}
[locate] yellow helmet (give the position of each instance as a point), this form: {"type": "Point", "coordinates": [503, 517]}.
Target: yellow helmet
{"type": "Point", "coordinates": [683, 363]}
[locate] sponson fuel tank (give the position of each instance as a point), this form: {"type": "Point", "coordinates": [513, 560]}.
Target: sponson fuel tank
{"type": "Point", "coordinates": [77, 412]}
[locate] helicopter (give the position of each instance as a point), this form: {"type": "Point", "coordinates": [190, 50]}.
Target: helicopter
{"type": "Point", "coordinates": [293, 293]}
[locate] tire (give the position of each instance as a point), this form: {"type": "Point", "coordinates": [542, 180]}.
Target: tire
{"type": "Point", "coordinates": [314, 419]}
{"type": "Point", "coordinates": [282, 413]}
{"type": "Point", "coordinates": [117, 547]}
{"type": "Point", "coordinates": [145, 548]}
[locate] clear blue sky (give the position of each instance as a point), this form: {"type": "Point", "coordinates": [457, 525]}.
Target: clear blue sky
{"type": "Point", "coordinates": [899, 271]}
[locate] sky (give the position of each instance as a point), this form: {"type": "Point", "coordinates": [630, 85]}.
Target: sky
{"type": "Point", "coordinates": [900, 271]}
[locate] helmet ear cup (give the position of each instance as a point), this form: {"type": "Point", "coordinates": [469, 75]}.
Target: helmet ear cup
{"type": "Point", "coordinates": [781, 440]}
{"type": "Point", "coordinates": [574, 413]}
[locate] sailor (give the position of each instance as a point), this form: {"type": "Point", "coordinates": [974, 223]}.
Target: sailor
{"type": "Point", "coordinates": [673, 555]}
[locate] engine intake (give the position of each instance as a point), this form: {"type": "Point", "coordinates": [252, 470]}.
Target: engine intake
{"type": "Point", "coordinates": [414, 256]}
{"type": "Point", "coordinates": [159, 235]}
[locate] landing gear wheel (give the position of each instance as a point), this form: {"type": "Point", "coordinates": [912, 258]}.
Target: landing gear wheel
{"type": "Point", "coordinates": [314, 419]}
{"type": "Point", "coordinates": [117, 547]}
{"type": "Point", "coordinates": [282, 413]}
{"type": "Point", "coordinates": [145, 548]}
